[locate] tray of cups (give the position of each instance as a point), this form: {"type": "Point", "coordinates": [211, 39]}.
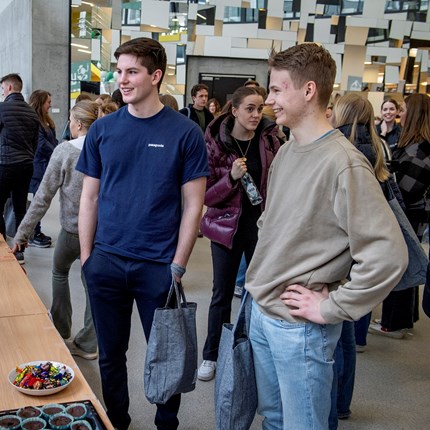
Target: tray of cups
{"type": "Point", "coordinates": [56, 416]}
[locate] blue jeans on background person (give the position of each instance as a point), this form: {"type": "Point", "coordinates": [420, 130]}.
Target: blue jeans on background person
{"type": "Point", "coordinates": [344, 375]}
{"type": "Point", "coordinates": [114, 284]}
{"type": "Point", "coordinates": [240, 278]}
{"type": "Point", "coordinates": [66, 252]}
{"type": "Point", "coordinates": [294, 371]}
{"type": "Point", "coordinates": [361, 329]}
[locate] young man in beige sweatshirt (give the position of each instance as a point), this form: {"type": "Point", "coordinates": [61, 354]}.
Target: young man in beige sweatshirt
{"type": "Point", "coordinates": [326, 219]}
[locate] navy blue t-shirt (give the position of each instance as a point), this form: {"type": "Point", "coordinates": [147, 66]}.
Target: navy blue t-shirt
{"type": "Point", "coordinates": [142, 164]}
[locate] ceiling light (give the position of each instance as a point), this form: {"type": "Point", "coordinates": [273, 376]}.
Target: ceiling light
{"type": "Point", "coordinates": [201, 16]}
{"type": "Point", "coordinates": [79, 46]}
{"type": "Point", "coordinates": [88, 3]}
{"type": "Point", "coordinates": [85, 51]}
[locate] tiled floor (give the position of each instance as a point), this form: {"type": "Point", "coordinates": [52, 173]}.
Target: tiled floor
{"type": "Point", "coordinates": [393, 376]}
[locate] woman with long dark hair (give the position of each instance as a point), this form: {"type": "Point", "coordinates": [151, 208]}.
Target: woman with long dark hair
{"type": "Point", "coordinates": [40, 101]}
{"type": "Point", "coordinates": [241, 145]}
{"type": "Point", "coordinates": [388, 128]}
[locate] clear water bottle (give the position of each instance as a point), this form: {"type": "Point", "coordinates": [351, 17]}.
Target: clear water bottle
{"type": "Point", "coordinates": [251, 189]}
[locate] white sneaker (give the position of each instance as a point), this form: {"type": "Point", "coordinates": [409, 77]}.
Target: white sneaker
{"type": "Point", "coordinates": [206, 370]}
{"type": "Point", "coordinates": [378, 329]}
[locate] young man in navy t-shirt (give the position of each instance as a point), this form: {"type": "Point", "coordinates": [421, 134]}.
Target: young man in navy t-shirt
{"type": "Point", "coordinates": [134, 235]}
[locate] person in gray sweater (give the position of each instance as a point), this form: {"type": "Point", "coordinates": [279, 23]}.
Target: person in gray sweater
{"type": "Point", "coordinates": [317, 221]}
{"type": "Point", "coordinates": [61, 175]}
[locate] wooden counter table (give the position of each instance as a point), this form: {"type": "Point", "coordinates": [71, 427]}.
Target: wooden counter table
{"type": "Point", "coordinates": [18, 296]}
{"type": "Point", "coordinates": [28, 334]}
{"type": "Point", "coordinates": [31, 338]}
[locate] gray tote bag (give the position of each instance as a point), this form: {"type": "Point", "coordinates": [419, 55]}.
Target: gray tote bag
{"type": "Point", "coordinates": [417, 267]}
{"type": "Point", "coordinates": [171, 356]}
{"type": "Point", "coordinates": [235, 386]}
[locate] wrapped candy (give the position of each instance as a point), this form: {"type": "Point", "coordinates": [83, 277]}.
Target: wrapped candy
{"type": "Point", "coordinates": [42, 376]}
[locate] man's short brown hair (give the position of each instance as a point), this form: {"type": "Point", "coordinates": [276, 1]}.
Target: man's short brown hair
{"type": "Point", "coordinates": [307, 62]}
{"type": "Point", "coordinates": [198, 88]}
{"type": "Point", "coordinates": [151, 54]}
{"type": "Point", "coordinates": [14, 79]}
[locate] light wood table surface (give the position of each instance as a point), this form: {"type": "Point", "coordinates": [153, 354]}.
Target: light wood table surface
{"type": "Point", "coordinates": [31, 338]}
{"type": "Point", "coordinates": [17, 295]}
{"type": "Point", "coordinates": [28, 334]}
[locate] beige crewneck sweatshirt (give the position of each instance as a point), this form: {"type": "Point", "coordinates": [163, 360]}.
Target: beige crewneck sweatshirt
{"type": "Point", "coordinates": [325, 209]}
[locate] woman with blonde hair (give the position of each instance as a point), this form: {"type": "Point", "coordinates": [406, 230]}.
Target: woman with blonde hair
{"type": "Point", "coordinates": [40, 101]}
{"type": "Point", "coordinates": [353, 116]}
{"type": "Point", "coordinates": [61, 175]}
{"type": "Point", "coordinates": [411, 165]}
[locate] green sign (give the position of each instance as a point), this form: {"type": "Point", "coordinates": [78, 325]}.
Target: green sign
{"type": "Point", "coordinates": [80, 71]}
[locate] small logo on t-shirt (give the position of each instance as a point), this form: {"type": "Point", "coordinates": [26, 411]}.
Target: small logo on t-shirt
{"type": "Point", "coordinates": [156, 145]}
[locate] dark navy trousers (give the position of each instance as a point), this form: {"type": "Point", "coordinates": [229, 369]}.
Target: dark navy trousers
{"type": "Point", "coordinates": [114, 284]}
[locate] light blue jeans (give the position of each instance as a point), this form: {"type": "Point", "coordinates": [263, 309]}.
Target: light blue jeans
{"type": "Point", "coordinates": [294, 371]}
{"type": "Point", "coordinates": [66, 252]}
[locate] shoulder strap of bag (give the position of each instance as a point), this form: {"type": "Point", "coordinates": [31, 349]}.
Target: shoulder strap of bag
{"type": "Point", "coordinates": [241, 326]}
{"type": "Point", "coordinates": [391, 194]}
{"type": "Point", "coordinates": [188, 112]}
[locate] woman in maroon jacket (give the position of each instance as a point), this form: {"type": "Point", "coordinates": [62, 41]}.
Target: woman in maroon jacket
{"type": "Point", "coordinates": [240, 143]}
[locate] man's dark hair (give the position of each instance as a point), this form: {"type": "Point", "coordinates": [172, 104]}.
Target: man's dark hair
{"type": "Point", "coordinates": [151, 54]}
{"type": "Point", "coordinates": [14, 79]}
{"type": "Point", "coordinates": [198, 88]}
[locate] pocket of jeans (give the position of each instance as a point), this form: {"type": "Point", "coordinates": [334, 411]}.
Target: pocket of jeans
{"type": "Point", "coordinates": [330, 334]}
{"type": "Point", "coordinates": [287, 325]}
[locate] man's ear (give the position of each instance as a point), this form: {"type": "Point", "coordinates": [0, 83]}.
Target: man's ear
{"type": "Point", "coordinates": [310, 89]}
{"type": "Point", "coordinates": [157, 76]}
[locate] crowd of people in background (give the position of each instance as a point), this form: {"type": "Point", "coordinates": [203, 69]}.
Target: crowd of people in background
{"type": "Point", "coordinates": [315, 257]}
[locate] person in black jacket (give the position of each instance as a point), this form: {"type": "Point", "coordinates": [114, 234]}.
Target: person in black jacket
{"type": "Point", "coordinates": [19, 129]}
{"type": "Point", "coordinates": [197, 111]}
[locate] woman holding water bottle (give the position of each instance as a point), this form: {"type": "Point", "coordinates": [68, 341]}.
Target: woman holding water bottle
{"type": "Point", "coordinates": [241, 146]}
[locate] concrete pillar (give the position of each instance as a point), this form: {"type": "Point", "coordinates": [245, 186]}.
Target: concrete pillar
{"type": "Point", "coordinates": [15, 42]}
{"type": "Point", "coordinates": [34, 42]}
{"type": "Point", "coordinates": [51, 54]}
